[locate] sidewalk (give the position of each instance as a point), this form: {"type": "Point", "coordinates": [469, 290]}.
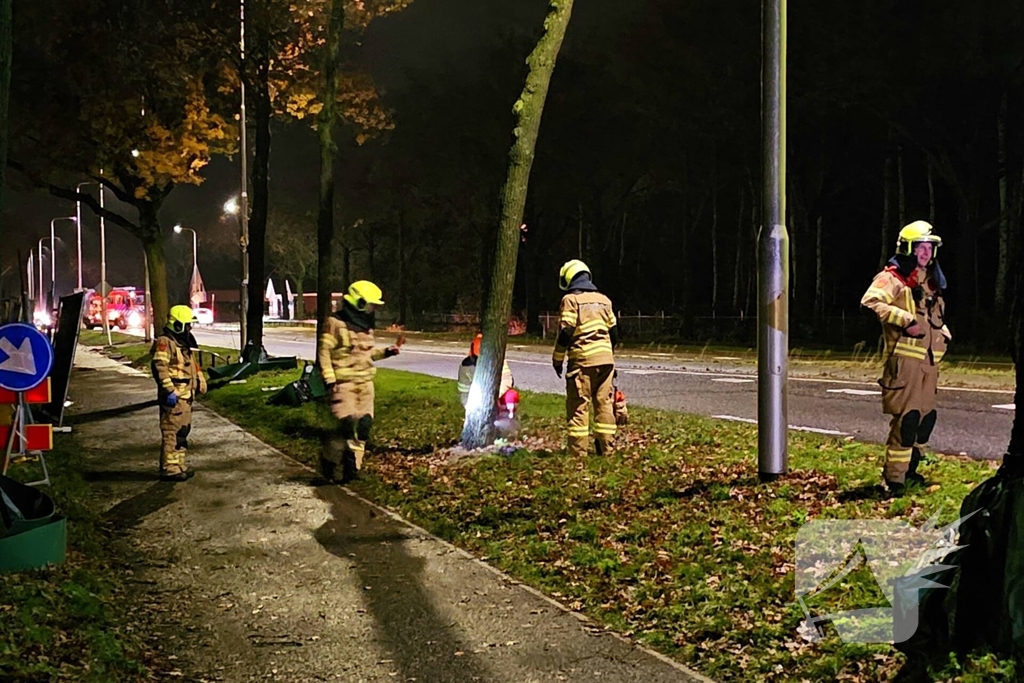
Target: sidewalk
{"type": "Point", "coordinates": [273, 579]}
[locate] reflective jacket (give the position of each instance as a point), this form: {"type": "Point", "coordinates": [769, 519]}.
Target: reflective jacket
{"type": "Point", "coordinates": [586, 330]}
{"type": "Point", "coordinates": [347, 355]}
{"type": "Point", "coordinates": [900, 301]}
{"type": "Point", "coordinates": [175, 368]}
{"type": "Point", "coordinates": [467, 371]}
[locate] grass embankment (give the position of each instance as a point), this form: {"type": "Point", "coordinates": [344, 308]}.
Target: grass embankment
{"type": "Point", "coordinates": [671, 540]}
{"type": "Point", "coordinates": [72, 622]}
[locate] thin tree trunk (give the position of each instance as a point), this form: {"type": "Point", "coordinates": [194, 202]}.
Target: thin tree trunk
{"type": "Point", "coordinates": [819, 269]}
{"type": "Point", "coordinates": [328, 152]}
{"type": "Point", "coordinates": [478, 430]}
{"type": "Point", "coordinates": [1005, 254]}
{"type": "Point", "coordinates": [739, 253]}
{"type": "Point", "coordinates": [6, 43]}
{"type": "Point", "coordinates": [931, 192]}
{"type": "Point", "coordinates": [300, 301]}
{"type": "Point", "coordinates": [714, 248]}
{"type": "Point", "coordinates": [900, 188]}
{"type": "Point", "coordinates": [261, 198]}
{"type": "Point", "coordinates": [887, 180]}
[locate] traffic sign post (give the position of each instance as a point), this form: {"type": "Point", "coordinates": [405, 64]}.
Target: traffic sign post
{"type": "Point", "coordinates": [26, 358]}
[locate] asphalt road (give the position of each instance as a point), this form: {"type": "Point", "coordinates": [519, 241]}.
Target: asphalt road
{"type": "Point", "coordinates": [973, 422]}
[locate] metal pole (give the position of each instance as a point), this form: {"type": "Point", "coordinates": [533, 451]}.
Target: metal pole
{"type": "Point", "coordinates": [39, 291]}
{"type": "Point", "coordinates": [147, 335]}
{"type": "Point", "coordinates": [103, 270]}
{"type": "Point", "coordinates": [195, 251]}
{"type": "Point", "coordinates": [53, 265]}
{"type": "Point", "coordinates": [773, 252]}
{"type": "Point", "coordinates": [78, 224]}
{"type": "Point", "coordinates": [243, 216]}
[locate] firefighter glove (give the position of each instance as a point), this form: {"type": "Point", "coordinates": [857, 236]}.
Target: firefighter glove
{"type": "Point", "coordinates": [172, 400]}
{"type": "Point", "coordinates": [914, 331]}
{"type": "Point", "coordinates": [390, 351]}
{"type": "Point", "coordinates": [202, 384]}
{"type": "Point", "coordinates": [558, 368]}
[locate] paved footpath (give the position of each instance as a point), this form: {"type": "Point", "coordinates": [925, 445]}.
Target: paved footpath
{"type": "Point", "coordinates": [269, 578]}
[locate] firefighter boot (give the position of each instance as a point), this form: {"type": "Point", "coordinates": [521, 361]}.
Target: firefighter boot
{"type": "Point", "coordinates": [913, 476]}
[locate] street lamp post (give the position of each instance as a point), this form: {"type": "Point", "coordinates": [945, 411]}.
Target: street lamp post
{"type": "Point", "coordinates": [195, 245]}
{"type": "Point", "coordinates": [232, 208]}
{"type": "Point", "coordinates": [78, 222]}
{"type": "Point", "coordinates": [53, 255]}
{"type": "Point", "coordinates": [243, 213]}
{"type": "Point", "coordinates": [39, 290]}
{"type": "Point", "coordinates": [103, 269]}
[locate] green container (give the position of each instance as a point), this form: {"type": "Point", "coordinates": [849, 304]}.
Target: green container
{"type": "Point", "coordinates": [282, 363]}
{"type": "Point", "coordinates": [37, 547]}
{"type": "Point", "coordinates": [230, 372]}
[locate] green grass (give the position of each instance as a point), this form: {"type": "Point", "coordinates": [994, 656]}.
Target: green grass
{"type": "Point", "coordinates": [71, 622]}
{"type": "Point", "coordinates": [672, 540]}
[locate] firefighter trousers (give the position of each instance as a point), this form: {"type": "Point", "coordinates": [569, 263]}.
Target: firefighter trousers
{"type": "Point", "coordinates": [352, 407]}
{"type": "Point", "coordinates": [175, 425]}
{"type": "Point", "coordinates": [909, 390]}
{"type": "Point", "coordinates": [588, 387]}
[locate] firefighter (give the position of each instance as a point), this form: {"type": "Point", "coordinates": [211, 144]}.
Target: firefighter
{"type": "Point", "coordinates": [907, 297]}
{"type": "Point", "coordinates": [588, 334]}
{"type": "Point", "coordinates": [346, 356]}
{"type": "Point", "coordinates": [467, 371]}
{"type": "Point", "coordinates": [178, 378]}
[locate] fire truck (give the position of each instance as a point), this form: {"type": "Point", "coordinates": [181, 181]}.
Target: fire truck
{"type": "Point", "coordinates": [126, 307]}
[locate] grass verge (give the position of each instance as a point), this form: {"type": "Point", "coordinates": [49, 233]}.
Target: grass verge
{"type": "Point", "coordinates": [671, 540]}
{"type": "Point", "coordinates": [72, 622]}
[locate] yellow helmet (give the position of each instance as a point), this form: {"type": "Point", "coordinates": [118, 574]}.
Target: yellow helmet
{"type": "Point", "coordinates": [179, 317]}
{"type": "Point", "coordinates": [913, 233]}
{"type": "Point", "coordinates": [570, 270]}
{"type": "Point", "coordinates": [362, 293]}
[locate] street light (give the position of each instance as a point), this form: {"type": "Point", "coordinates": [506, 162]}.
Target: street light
{"type": "Point", "coordinates": [195, 242]}
{"type": "Point", "coordinates": [39, 290]}
{"type": "Point", "coordinates": [232, 208]}
{"type": "Point", "coordinates": [78, 221]}
{"type": "Point", "coordinates": [53, 254]}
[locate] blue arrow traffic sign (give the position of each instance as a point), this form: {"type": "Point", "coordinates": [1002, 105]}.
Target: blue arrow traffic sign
{"type": "Point", "coordinates": [26, 357]}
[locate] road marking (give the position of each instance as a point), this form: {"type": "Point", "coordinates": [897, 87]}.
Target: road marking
{"type": "Point", "coordinates": [854, 392]}
{"type": "Point", "coordinates": [732, 380]}
{"type": "Point", "coordinates": [727, 358]}
{"type": "Point", "coordinates": [1006, 406]}
{"type": "Point", "coordinates": [640, 372]}
{"type": "Point", "coordinates": [795, 428]}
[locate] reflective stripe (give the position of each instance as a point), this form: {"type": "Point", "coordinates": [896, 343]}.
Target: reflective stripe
{"type": "Point", "coordinates": [592, 326]}
{"type": "Point", "coordinates": [937, 355]}
{"type": "Point", "coordinates": [593, 349]}
{"type": "Point", "coordinates": [464, 387]}
{"type": "Point", "coordinates": [880, 293]}
{"type": "Point", "coordinates": [898, 454]}
{"type": "Point", "coordinates": [569, 318]}
{"type": "Point", "coordinates": [604, 429]}
{"type": "Point", "coordinates": [910, 350]}
{"type": "Point", "coordinates": [579, 431]}
{"type": "Point", "coordinates": [558, 356]}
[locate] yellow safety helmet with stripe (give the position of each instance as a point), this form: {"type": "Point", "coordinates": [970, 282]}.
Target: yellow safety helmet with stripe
{"type": "Point", "coordinates": [179, 316]}
{"type": "Point", "coordinates": [570, 270]}
{"type": "Point", "coordinates": [363, 293]}
{"type": "Point", "coordinates": [915, 233]}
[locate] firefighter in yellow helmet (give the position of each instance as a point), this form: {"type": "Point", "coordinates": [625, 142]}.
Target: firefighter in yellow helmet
{"type": "Point", "coordinates": [587, 334]}
{"type": "Point", "coordinates": [178, 377]}
{"type": "Point", "coordinates": [907, 297]}
{"type": "Point", "coordinates": [346, 356]}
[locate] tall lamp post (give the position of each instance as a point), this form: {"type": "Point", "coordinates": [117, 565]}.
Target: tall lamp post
{"type": "Point", "coordinates": [39, 289]}
{"type": "Point", "coordinates": [78, 222]}
{"type": "Point", "coordinates": [178, 229]}
{"type": "Point", "coordinates": [231, 208]}
{"type": "Point", "coordinates": [773, 252]}
{"type": "Point", "coordinates": [53, 255]}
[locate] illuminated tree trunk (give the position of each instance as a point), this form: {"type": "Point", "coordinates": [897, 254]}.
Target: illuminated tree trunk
{"type": "Point", "coordinates": [5, 84]}
{"type": "Point", "coordinates": [328, 151]}
{"type": "Point", "coordinates": [478, 430]}
{"type": "Point", "coordinates": [152, 238]}
{"type": "Point", "coordinates": [260, 197]}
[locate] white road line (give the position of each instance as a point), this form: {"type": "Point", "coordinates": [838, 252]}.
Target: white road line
{"type": "Point", "coordinates": [854, 392]}
{"type": "Point", "coordinates": [732, 380]}
{"type": "Point", "coordinates": [1006, 406]}
{"type": "Point", "coordinates": [795, 428]}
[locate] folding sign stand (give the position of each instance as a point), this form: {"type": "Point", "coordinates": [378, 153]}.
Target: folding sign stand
{"type": "Point", "coordinates": [23, 439]}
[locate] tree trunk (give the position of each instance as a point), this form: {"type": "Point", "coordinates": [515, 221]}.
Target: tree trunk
{"type": "Point", "coordinates": [1016, 447]}
{"type": "Point", "coordinates": [6, 42]}
{"type": "Point", "coordinates": [902, 202]}
{"type": "Point", "coordinates": [1005, 254]}
{"type": "Point", "coordinates": [328, 152]}
{"type": "Point", "coordinates": [887, 241]}
{"type": "Point", "coordinates": [478, 430]}
{"type": "Point", "coordinates": [260, 200]}
{"type": "Point", "coordinates": [739, 253]}
{"type": "Point", "coordinates": [819, 269]}
{"type": "Point", "coordinates": [714, 247]}
{"type": "Point", "coordinates": [300, 301]}
{"type": "Point", "coordinates": [152, 238]}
